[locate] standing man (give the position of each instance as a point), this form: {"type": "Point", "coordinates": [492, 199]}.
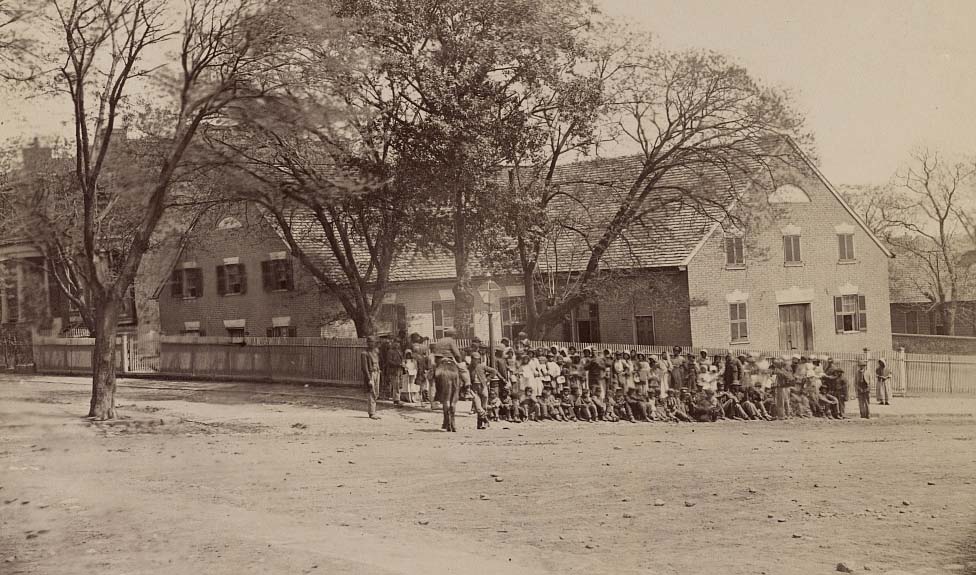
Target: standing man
{"type": "Point", "coordinates": [863, 388]}
{"type": "Point", "coordinates": [782, 383]}
{"type": "Point", "coordinates": [369, 363]}
{"type": "Point", "coordinates": [393, 368]}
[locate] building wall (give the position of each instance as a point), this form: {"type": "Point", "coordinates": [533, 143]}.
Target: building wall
{"type": "Point", "coordinates": [767, 282]}
{"type": "Point", "coordinates": [252, 243]}
{"type": "Point", "coordinates": [927, 319]}
{"type": "Point", "coordinates": [935, 344]}
{"type": "Point", "coordinates": [661, 294]}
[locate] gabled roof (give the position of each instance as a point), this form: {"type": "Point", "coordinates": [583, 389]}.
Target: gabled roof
{"type": "Point", "coordinates": [685, 207]}
{"type": "Point", "coordinates": [688, 204]}
{"type": "Point", "coordinates": [840, 199]}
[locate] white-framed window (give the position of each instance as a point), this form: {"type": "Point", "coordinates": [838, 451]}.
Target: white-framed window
{"type": "Point", "coordinates": [231, 279]}
{"type": "Point", "coordinates": [845, 247]}
{"type": "Point", "coordinates": [791, 249]}
{"type": "Point", "coordinates": [236, 332]}
{"type": "Point", "coordinates": [734, 252]}
{"type": "Point", "coordinates": [850, 313]}
{"type": "Point", "coordinates": [512, 315]}
{"type": "Point", "coordinates": [738, 322]}
{"type": "Point", "coordinates": [443, 317]}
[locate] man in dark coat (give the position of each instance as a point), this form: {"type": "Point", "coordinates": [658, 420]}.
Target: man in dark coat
{"type": "Point", "coordinates": [369, 364]}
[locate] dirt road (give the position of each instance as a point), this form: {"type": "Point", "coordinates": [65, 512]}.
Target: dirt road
{"type": "Point", "coordinates": [229, 481]}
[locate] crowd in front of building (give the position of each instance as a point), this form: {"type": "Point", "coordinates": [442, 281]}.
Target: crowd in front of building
{"type": "Point", "coordinates": [518, 382]}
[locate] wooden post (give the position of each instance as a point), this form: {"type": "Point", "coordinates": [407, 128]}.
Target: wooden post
{"type": "Point", "coordinates": [902, 373]}
{"type": "Point", "coordinates": [125, 353]}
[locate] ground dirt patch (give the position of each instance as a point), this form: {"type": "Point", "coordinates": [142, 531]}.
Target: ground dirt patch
{"type": "Point", "coordinates": [257, 486]}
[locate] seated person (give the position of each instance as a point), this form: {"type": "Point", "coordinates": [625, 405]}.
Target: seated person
{"type": "Point", "coordinates": [638, 408]}
{"type": "Point", "coordinates": [567, 405]}
{"type": "Point", "coordinates": [675, 408]}
{"type": "Point", "coordinates": [530, 406]}
{"type": "Point", "coordinates": [587, 408]}
{"type": "Point", "coordinates": [493, 406]}
{"type": "Point", "coordinates": [506, 409]}
{"type": "Point", "coordinates": [610, 413]}
{"type": "Point", "coordinates": [623, 406]}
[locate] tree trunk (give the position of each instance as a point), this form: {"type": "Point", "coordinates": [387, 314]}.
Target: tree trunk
{"type": "Point", "coordinates": [103, 360]}
{"type": "Point", "coordinates": [365, 324]}
{"type": "Point", "coordinates": [464, 308]}
{"type": "Point", "coordinates": [950, 317]}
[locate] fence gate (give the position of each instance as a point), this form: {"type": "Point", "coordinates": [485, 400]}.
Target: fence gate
{"type": "Point", "coordinates": [141, 353]}
{"type": "Point", "coordinates": [16, 349]}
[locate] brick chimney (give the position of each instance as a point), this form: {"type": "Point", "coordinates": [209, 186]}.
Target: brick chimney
{"type": "Point", "coordinates": [36, 157]}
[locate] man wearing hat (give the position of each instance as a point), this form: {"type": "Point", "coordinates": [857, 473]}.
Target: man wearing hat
{"type": "Point", "coordinates": [369, 363]}
{"type": "Point", "coordinates": [863, 388]}
{"type": "Point", "coordinates": [782, 383]}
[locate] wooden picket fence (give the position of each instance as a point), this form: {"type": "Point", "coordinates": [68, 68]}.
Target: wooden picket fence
{"type": "Point", "coordinates": [336, 361]}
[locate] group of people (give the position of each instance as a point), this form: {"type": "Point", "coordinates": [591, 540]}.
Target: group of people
{"type": "Point", "coordinates": [518, 382]}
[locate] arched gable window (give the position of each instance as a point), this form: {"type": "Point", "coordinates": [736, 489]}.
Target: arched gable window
{"type": "Point", "coordinates": [789, 194]}
{"type": "Point", "coordinates": [229, 223]}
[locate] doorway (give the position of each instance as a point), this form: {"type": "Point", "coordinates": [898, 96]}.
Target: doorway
{"type": "Point", "coordinates": [795, 327]}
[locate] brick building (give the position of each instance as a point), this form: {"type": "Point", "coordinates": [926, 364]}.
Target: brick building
{"type": "Point", "coordinates": [811, 276]}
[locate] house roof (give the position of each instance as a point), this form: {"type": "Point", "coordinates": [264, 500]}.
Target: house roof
{"type": "Point", "coordinates": [688, 204]}
{"type": "Point", "coordinates": [665, 237]}
{"type": "Point", "coordinates": [685, 207]}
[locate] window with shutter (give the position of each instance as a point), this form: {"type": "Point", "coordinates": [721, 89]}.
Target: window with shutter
{"type": "Point", "coordinates": [845, 247]}
{"type": "Point", "coordinates": [443, 312]}
{"type": "Point", "coordinates": [734, 253]}
{"type": "Point", "coordinates": [266, 278]}
{"type": "Point", "coordinates": [791, 250]}
{"type": "Point", "coordinates": [738, 323]}
{"type": "Point", "coordinates": [176, 283]}
{"type": "Point", "coordinates": [862, 315]}
{"type": "Point", "coordinates": [221, 280]}
{"type": "Point", "coordinates": [850, 314]}
{"type": "Point", "coordinates": [193, 279]}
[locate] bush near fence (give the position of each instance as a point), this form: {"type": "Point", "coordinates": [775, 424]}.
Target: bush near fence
{"type": "Point", "coordinates": [336, 361]}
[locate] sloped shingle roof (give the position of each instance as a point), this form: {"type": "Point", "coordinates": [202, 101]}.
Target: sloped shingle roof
{"type": "Point", "coordinates": [686, 205]}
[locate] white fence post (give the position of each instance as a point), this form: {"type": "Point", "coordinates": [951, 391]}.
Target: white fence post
{"type": "Point", "coordinates": [125, 353]}
{"type": "Point", "coordinates": [902, 374]}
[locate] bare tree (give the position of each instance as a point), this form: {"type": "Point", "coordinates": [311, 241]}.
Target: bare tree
{"type": "Point", "coordinates": [96, 220]}
{"type": "Point", "coordinates": [934, 237]}
{"type": "Point", "coordinates": [17, 58]}
{"type": "Point", "coordinates": [882, 208]}
{"type": "Point", "coordinates": [923, 214]}
{"type": "Point", "coordinates": [707, 135]}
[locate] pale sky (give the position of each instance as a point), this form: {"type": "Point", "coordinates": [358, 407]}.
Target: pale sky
{"type": "Point", "coordinates": [874, 78]}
